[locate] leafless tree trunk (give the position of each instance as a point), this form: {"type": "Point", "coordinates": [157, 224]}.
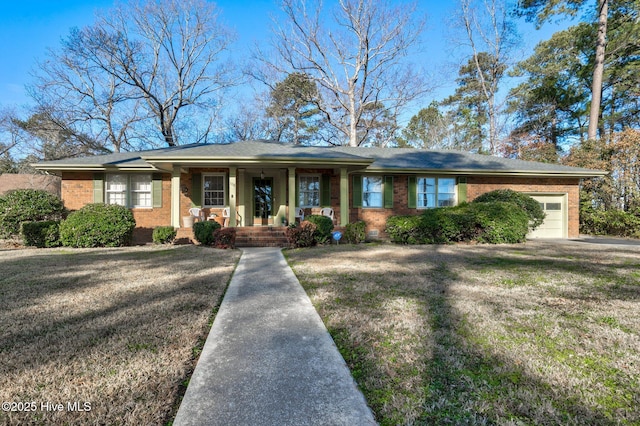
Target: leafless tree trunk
{"type": "Point", "coordinates": [598, 70]}
{"type": "Point", "coordinates": [358, 60]}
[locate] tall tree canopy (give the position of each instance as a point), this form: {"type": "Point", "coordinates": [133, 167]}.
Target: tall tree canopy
{"type": "Point", "coordinates": [357, 55]}
{"type": "Point", "coordinates": [144, 65]}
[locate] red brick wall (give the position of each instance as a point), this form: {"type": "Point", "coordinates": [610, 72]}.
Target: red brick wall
{"type": "Point", "coordinates": [376, 218]}
{"type": "Point", "coordinates": [477, 185]}
{"type": "Point", "coordinates": [77, 190]}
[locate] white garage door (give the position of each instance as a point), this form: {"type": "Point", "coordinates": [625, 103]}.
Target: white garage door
{"type": "Point", "coordinates": [555, 223]}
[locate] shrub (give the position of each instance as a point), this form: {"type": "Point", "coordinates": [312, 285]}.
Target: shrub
{"type": "Point", "coordinates": [354, 233]}
{"type": "Point", "coordinates": [531, 206]}
{"type": "Point", "coordinates": [98, 225]}
{"type": "Point", "coordinates": [203, 231]}
{"type": "Point", "coordinates": [324, 226]}
{"type": "Point", "coordinates": [27, 205]}
{"type": "Point", "coordinates": [224, 238]}
{"type": "Point", "coordinates": [41, 234]}
{"type": "Point", "coordinates": [609, 222]}
{"type": "Point", "coordinates": [488, 222]}
{"type": "Point", "coordinates": [164, 234]}
{"type": "Point", "coordinates": [302, 235]}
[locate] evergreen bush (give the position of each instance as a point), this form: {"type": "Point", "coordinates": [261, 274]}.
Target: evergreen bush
{"type": "Point", "coordinates": [487, 222]}
{"type": "Point", "coordinates": [27, 205]}
{"type": "Point", "coordinates": [41, 234]}
{"type": "Point", "coordinates": [98, 225]}
{"type": "Point", "coordinates": [203, 231]}
{"type": "Point", "coordinates": [324, 226]}
{"type": "Point", "coordinates": [164, 234]}
{"type": "Point", "coordinates": [354, 233]}
{"type": "Point", "coordinates": [524, 201]}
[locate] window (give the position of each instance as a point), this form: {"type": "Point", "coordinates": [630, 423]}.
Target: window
{"type": "Point", "coordinates": [128, 190]}
{"type": "Point", "coordinates": [116, 189]}
{"type": "Point", "coordinates": [435, 192]}
{"type": "Point", "coordinates": [309, 191]}
{"type": "Point", "coordinates": [372, 191]}
{"type": "Point", "coordinates": [214, 194]}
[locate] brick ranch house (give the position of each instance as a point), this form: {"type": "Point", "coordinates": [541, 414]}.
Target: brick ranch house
{"type": "Point", "coordinates": [262, 183]}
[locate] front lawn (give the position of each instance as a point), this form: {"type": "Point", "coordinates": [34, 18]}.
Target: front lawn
{"type": "Point", "coordinates": [539, 333]}
{"type": "Point", "coordinates": [104, 336]}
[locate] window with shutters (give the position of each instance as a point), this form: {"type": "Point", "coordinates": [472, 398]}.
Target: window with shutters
{"type": "Point", "coordinates": [372, 191]}
{"type": "Point", "coordinates": [435, 192]}
{"type": "Point", "coordinates": [309, 191]}
{"type": "Point", "coordinates": [133, 190]}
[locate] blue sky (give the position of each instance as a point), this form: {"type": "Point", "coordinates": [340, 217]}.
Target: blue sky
{"type": "Point", "coordinates": [29, 27]}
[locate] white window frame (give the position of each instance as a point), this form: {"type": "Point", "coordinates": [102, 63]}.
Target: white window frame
{"type": "Point", "coordinates": [127, 191]}
{"type": "Point", "coordinates": [364, 192]}
{"type": "Point", "coordinates": [204, 191]}
{"type": "Point", "coordinates": [301, 192]}
{"type": "Point", "coordinates": [436, 193]}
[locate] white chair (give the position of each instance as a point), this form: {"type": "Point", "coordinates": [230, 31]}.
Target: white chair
{"type": "Point", "coordinates": [299, 214]}
{"type": "Point", "coordinates": [197, 213]}
{"type": "Point", "coordinates": [328, 211]}
{"type": "Point", "coordinates": [226, 214]}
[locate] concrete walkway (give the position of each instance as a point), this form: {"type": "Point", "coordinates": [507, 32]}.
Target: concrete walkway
{"type": "Point", "coordinates": [269, 359]}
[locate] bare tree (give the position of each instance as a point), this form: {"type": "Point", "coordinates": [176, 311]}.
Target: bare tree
{"type": "Point", "coordinates": [359, 60]}
{"type": "Point", "coordinates": [598, 71]}
{"type": "Point", "coordinates": [489, 34]}
{"type": "Point", "coordinates": [141, 61]}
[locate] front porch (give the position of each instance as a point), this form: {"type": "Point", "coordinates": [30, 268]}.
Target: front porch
{"type": "Point", "coordinates": [252, 197]}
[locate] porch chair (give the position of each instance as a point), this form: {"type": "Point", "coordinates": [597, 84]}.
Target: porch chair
{"type": "Point", "coordinates": [226, 214]}
{"type": "Point", "coordinates": [328, 211]}
{"type": "Point", "coordinates": [299, 214]}
{"type": "Point", "coordinates": [197, 213]}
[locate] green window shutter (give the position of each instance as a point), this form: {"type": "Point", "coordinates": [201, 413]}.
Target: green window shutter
{"type": "Point", "coordinates": [357, 191]}
{"type": "Point", "coordinates": [413, 192]}
{"type": "Point", "coordinates": [156, 188]}
{"type": "Point", "coordinates": [98, 187]}
{"type": "Point", "coordinates": [462, 190]}
{"type": "Point", "coordinates": [325, 191]}
{"type": "Point", "coordinates": [388, 192]}
{"type": "Point", "coordinates": [196, 189]}
{"type": "Point", "coordinates": [297, 189]}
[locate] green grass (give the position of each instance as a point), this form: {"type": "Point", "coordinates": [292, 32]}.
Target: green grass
{"type": "Point", "coordinates": [529, 334]}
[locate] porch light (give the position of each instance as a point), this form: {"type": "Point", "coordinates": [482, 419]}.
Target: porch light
{"type": "Point", "coordinates": [261, 174]}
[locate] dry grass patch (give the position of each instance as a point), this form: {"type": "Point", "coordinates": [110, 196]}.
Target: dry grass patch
{"type": "Point", "coordinates": [118, 329]}
{"type": "Point", "coordinates": [541, 333]}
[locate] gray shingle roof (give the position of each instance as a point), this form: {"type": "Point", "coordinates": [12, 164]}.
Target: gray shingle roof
{"type": "Point", "coordinates": [373, 159]}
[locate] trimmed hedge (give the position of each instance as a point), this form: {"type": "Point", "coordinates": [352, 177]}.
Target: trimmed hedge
{"type": "Point", "coordinates": [98, 225]}
{"type": "Point", "coordinates": [526, 202]}
{"type": "Point", "coordinates": [203, 231]}
{"type": "Point", "coordinates": [354, 233]}
{"type": "Point", "coordinates": [41, 234]}
{"type": "Point", "coordinates": [164, 235]}
{"type": "Point", "coordinates": [324, 226]}
{"type": "Point", "coordinates": [487, 222]}
{"type": "Point", "coordinates": [27, 205]}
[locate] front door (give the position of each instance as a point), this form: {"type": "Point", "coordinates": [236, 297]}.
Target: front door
{"type": "Point", "coordinates": [262, 200]}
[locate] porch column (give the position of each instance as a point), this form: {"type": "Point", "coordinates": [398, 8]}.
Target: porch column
{"type": "Point", "coordinates": [344, 197]}
{"type": "Point", "coordinates": [292, 195]}
{"type": "Point", "coordinates": [175, 197]}
{"type": "Point", "coordinates": [232, 197]}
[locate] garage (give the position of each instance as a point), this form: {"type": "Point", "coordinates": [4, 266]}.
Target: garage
{"type": "Point", "coordinates": [555, 222]}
